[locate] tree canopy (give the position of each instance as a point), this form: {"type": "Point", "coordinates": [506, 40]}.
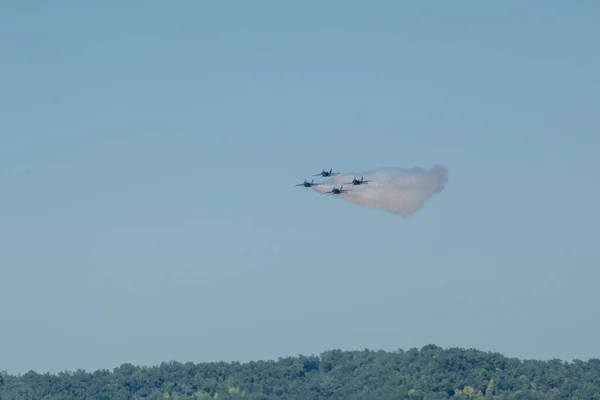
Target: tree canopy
{"type": "Point", "coordinates": [429, 373]}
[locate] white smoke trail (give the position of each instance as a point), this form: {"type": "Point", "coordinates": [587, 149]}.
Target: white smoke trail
{"type": "Point", "coordinates": [401, 191]}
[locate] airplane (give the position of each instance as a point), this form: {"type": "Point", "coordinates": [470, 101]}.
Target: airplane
{"type": "Point", "coordinates": [357, 182]}
{"type": "Point", "coordinates": [337, 191]}
{"type": "Point", "coordinates": [308, 184]}
{"type": "Point", "coordinates": [327, 173]}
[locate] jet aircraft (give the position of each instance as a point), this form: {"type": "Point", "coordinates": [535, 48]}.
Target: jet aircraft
{"type": "Point", "coordinates": [325, 174]}
{"type": "Point", "coordinates": [308, 184]}
{"type": "Point", "coordinates": [337, 191]}
{"type": "Point", "coordinates": [357, 182]}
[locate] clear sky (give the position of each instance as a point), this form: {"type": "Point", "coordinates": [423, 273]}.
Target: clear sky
{"type": "Point", "coordinates": [148, 152]}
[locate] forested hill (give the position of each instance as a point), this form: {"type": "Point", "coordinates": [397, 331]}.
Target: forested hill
{"type": "Point", "coordinates": [431, 373]}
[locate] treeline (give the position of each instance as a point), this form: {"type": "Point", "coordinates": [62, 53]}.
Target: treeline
{"type": "Point", "coordinates": [431, 373]}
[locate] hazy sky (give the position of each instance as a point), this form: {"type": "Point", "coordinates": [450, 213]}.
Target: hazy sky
{"type": "Point", "coordinates": [148, 152]}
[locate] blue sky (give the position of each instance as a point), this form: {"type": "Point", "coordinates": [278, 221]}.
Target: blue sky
{"type": "Point", "coordinates": [148, 153]}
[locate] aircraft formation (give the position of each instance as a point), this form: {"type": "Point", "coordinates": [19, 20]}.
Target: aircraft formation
{"type": "Point", "coordinates": [335, 190]}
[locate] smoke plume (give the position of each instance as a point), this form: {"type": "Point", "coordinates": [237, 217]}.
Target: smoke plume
{"type": "Point", "coordinates": [401, 191]}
